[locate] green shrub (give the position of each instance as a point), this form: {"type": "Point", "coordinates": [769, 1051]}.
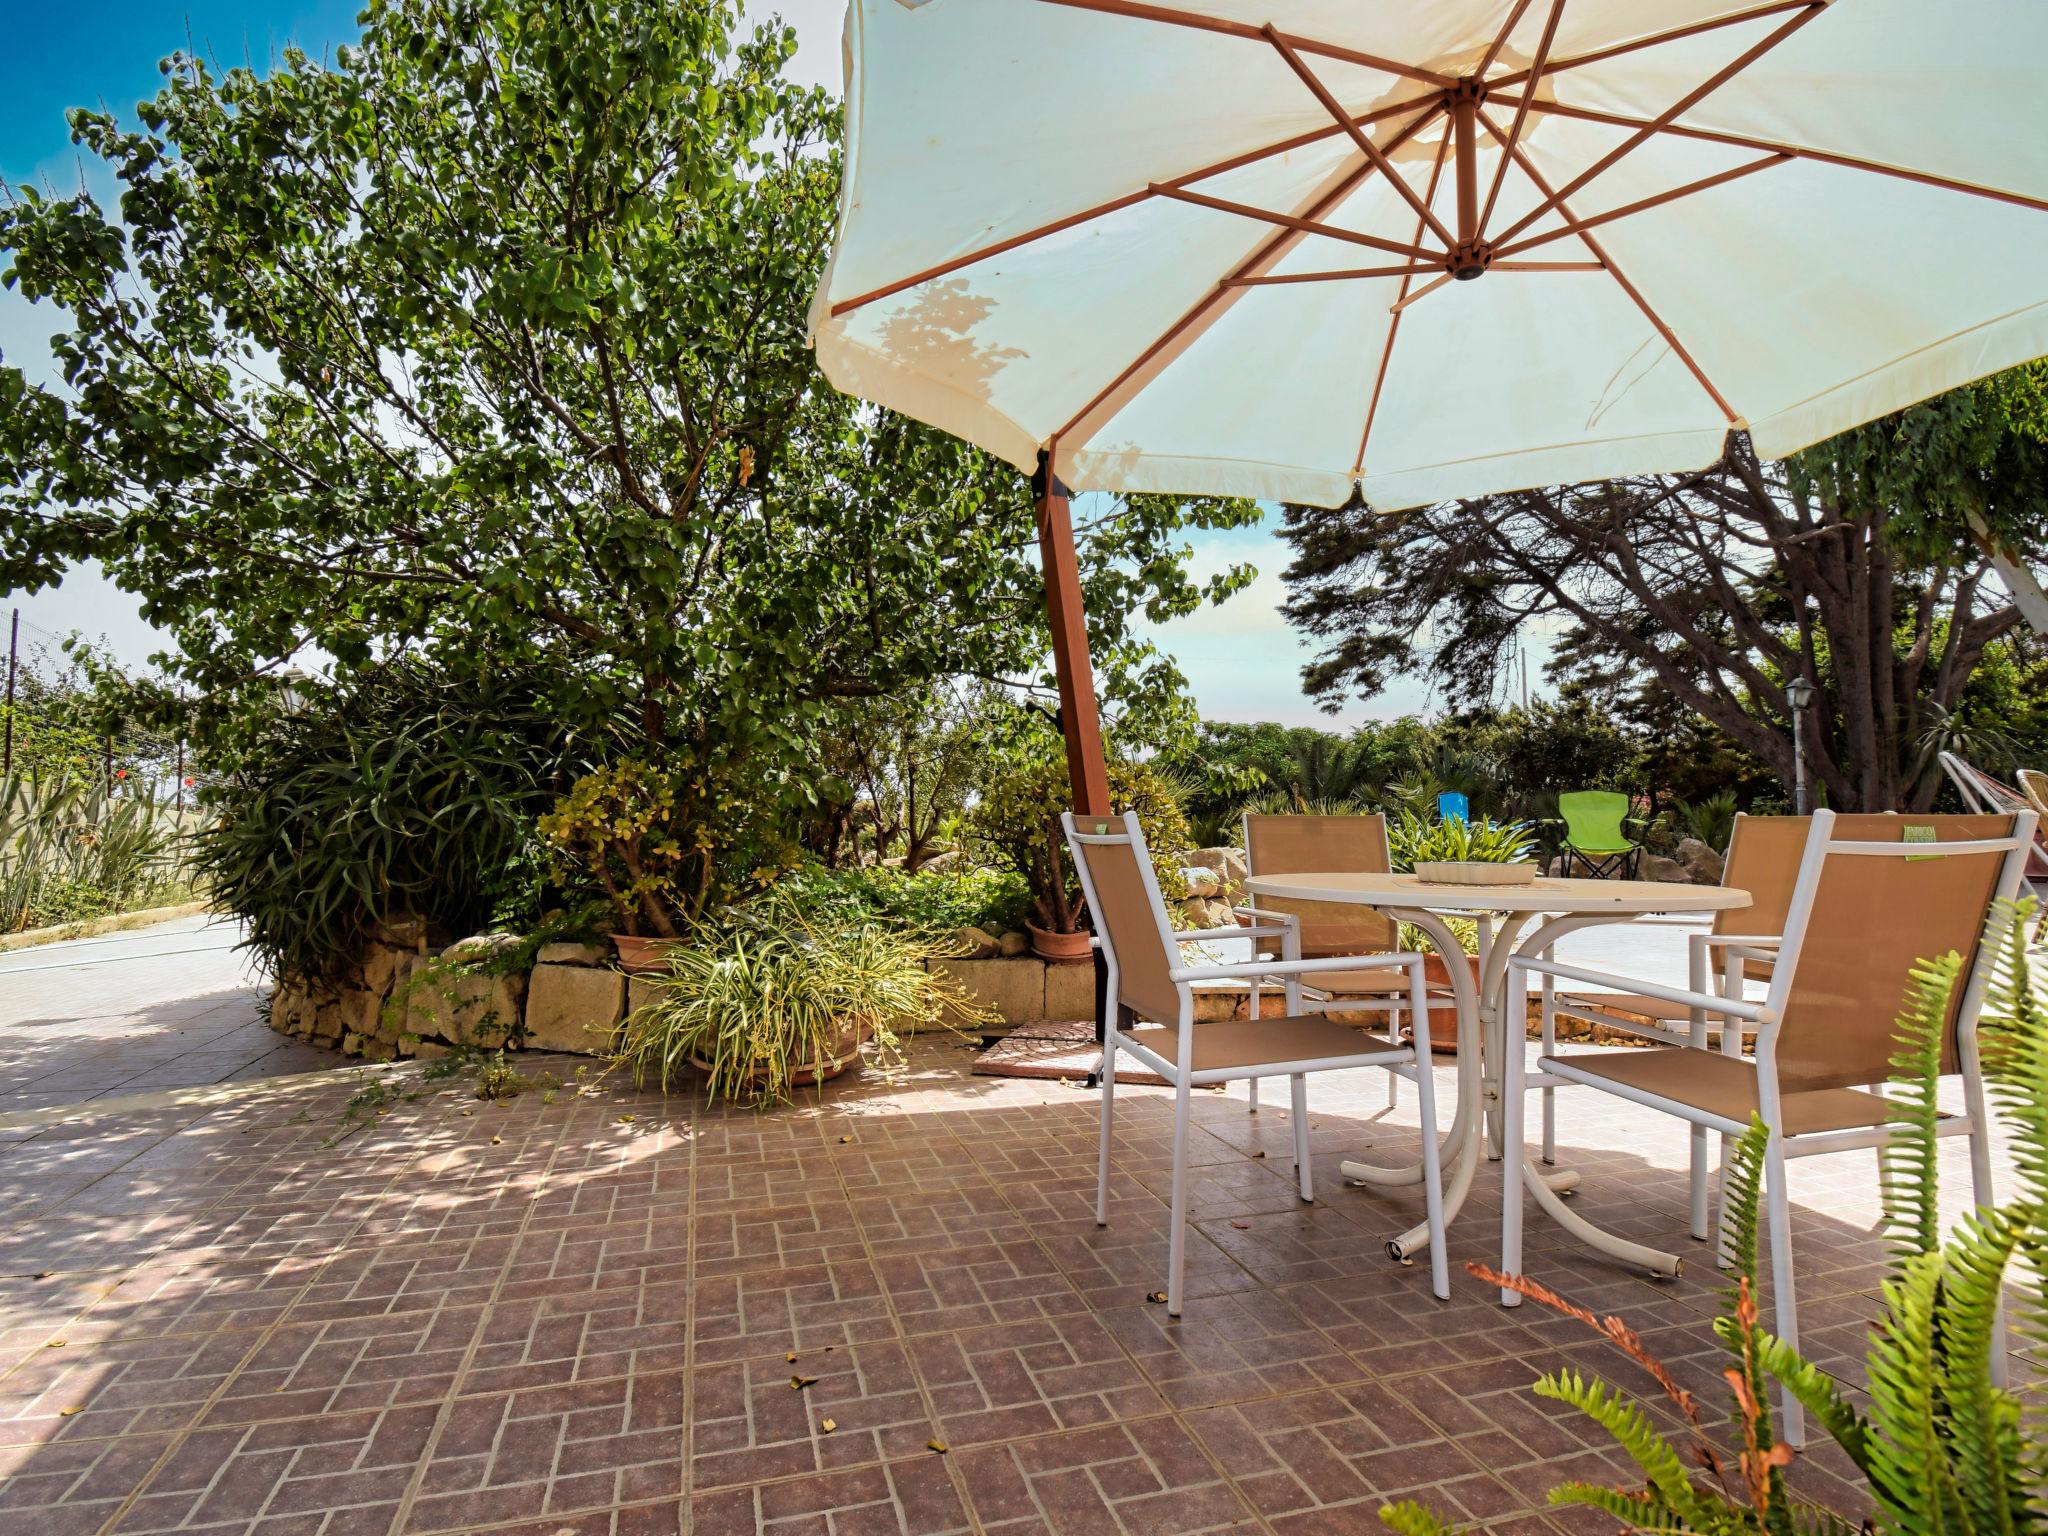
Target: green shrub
{"type": "Point", "coordinates": [932, 902]}
{"type": "Point", "coordinates": [1712, 820]}
{"type": "Point", "coordinates": [397, 793]}
{"type": "Point", "coordinates": [1017, 821]}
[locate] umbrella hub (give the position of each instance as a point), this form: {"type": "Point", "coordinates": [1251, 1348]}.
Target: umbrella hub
{"type": "Point", "coordinates": [1469, 259]}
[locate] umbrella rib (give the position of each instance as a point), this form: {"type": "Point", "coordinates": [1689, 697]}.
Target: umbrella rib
{"type": "Point", "coordinates": [1117, 205]}
{"type": "Point", "coordinates": [1500, 39]}
{"type": "Point", "coordinates": [1379, 378]}
{"type": "Point", "coordinates": [1331, 277]}
{"type": "Point", "coordinates": [1419, 294]}
{"type": "Point", "coordinates": [1670, 336]}
{"type": "Point", "coordinates": [1645, 204]}
{"type": "Point", "coordinates": [1796, 151]}
{"type": "Point", "coordinates": [1272, 250]}
{"type": "Point", "coordinates": [1691, 98]}
{"type": "Point", "coordinates": [1500, 172]}
{"type": "Point", "coordinates": [1655, 39]}
{"type": "Point", "coordinates": [1359, 136]}
{"type": "Point", "coordinates": [1292, 221]}
{"type": "Point", "coordinates": [1167, 15]}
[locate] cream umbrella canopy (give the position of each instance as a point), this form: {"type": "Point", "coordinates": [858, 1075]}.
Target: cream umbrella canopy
{"type": "Point", "coordinates": [1422, 249]}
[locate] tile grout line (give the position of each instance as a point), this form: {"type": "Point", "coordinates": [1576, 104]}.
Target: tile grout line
{"type": "Point", "coordinates": [445, 1409]}
{"type": "Point", "coordinates": [954, 1476]}
{"type": "Point", "coordinates": [178, 1441]}
{"type": "Point", "coordinates": [686, 1515]}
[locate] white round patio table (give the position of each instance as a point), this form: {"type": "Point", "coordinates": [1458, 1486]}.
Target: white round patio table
{"type": "Point", "coordinates": [1503, 914]}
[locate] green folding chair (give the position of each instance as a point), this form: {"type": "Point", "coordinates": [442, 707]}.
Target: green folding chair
{"type": "Point", "coordinates": [1594, 838]}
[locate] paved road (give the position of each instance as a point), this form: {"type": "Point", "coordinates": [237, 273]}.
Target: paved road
{"type": "Point", "coordinates": [172, 1006]}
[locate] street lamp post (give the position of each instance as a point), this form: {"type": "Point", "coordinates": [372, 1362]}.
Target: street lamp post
{"type": "Point", "coordinates": [1799, 694]}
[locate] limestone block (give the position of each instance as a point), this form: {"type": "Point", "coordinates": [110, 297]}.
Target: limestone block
{"type": "Point", "coordinates": [1069, 992]}
{"type": "Point", "coordinates": [976, 943]}
{"type": "Point", "coordinates": [1656, 867]}
{"type": "Point", "coordinates": [1202, 882]}
{"type": "Point", "coordinates": [1226, 863]}
{"type": "Point", "coordinates": [641, 992]}
{"type": "Point", "coordinates": [573, 1008]}
{"type": "Point", "coordinates": [573, 954]}
{"type": "Point", "coordinates": [479, 947]}
{"type": "Point", "coordinates": [464, 1008]}
{"type": "Point", "coordinates": [1013, 989]}
{"type": "Point", "coordinates": [1700, 858]}
{"type": "Point", "coordinates": [1014, 944]}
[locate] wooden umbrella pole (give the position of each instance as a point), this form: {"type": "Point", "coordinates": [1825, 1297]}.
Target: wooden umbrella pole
{"type": "Point", "coordinates": [1080, 722]}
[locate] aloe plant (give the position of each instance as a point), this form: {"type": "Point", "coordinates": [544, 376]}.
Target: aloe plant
{"type": "Point", "coordinates": [1943, 1448]}
{"type": "Point", "coordinates": [67, 851]}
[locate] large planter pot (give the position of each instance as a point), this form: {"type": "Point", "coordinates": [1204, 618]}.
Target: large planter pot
{"type": "Point", "coordinates": [844, 1055]}
{"type": "Point", "coordinates": [640, 956]}
{"type": "Point", "coordinates": [1060, 948]}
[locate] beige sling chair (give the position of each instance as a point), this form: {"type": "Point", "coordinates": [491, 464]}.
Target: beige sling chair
{"type": "Point", "coordinates": [1874, 895]}
{"type": "Point", "coordinates": [1763, 859]}
{"type": "Point", "coordinates": [1300, 845]}
{"type": "Point", "coordinates": [1148, 975]}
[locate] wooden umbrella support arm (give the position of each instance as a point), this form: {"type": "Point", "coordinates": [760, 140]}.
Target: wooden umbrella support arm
{"type": "Point", "coordinates": [1080, 721]}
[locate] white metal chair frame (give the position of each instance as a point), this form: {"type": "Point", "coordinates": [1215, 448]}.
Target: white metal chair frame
{"type": "Point", "coordinates": [1765, 1016]}
{"type": "Point", "coordinates": [1411, 1060]}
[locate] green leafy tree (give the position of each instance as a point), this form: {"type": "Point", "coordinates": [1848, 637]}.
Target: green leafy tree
{"type": "Point", "coordinates": [488, 340]}
{"type": "Point", "coordinates": [1852, 566]}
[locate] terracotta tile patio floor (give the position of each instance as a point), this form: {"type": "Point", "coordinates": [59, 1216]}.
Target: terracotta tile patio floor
{"type": "Point", "coordinates": [579, 1314]}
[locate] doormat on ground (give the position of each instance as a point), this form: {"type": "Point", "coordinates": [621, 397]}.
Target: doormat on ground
{"type": "Point", "coordinates": [1053, 1048]}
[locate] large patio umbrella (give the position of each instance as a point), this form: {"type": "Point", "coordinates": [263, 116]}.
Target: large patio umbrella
{"type": "Point", "coordinates": [1419, 249]}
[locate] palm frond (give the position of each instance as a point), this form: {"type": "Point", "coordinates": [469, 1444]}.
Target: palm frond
{"type": "Point", "coordinates": [1910, 1185]}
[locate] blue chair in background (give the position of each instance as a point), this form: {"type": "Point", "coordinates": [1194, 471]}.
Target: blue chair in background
{"type": "Point", "coordinates": [1452, 806]}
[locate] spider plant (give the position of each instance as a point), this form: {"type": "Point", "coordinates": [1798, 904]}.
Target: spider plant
{"type": "Point", "coordinates": [1943, 1448]}
{"type": "Point", "coordinates": [1411, 840]}
{"type": "Point", "coordinates": [770, 997]}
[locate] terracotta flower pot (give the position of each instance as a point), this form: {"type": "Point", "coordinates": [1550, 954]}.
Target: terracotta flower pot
{"type": "Point", "coordinates": [1060, 948]}
{"type": "Point", "coordinates": [847, 1053]}
{"type": "Point", "coordinates": [642, 956]}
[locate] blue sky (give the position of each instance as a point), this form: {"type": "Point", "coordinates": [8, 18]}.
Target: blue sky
{"type": "Point", "coordinates": [1242, 659]}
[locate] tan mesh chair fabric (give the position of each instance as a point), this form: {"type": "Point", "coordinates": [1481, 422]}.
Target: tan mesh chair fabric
{"type": "Point", "coordinates": [1262, 1042]}
{"type": "Point", "coordinates": [1873, 919]}
{"type": "Point", "coordinates": [1302, 845]}
{"type": "Point", "coordinates": [1726, 1086]}
{"type": "Point", "coordinates": [1763, 859]}
{"type": "Point", "coordinates": [1126, 915]}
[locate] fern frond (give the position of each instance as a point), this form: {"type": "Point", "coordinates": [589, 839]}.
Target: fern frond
{"type": "Point", "coordinates": [1911, 1180]}
{"type": "Point", "coordinates": [2014, 1044]}
{"type": "Point", "coordinates": [1636, 1511]}
{"type": "Point", "coordinates": [1409, 1518]}
{"type": "Point", "coordinates": [1908, 1462]}
{"type": "Point", "coordinates": [1632, 1429]}
{"type": "Point", "coordinates": [1814, 1388]}
{"type": "Point", "coordinates": [1743, 1210]}
{"type": "Point", "coordinates": [1984, 1428]}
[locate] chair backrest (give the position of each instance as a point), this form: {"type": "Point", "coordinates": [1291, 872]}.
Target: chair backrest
{"type": "Point", "coordinates": [1593, 819]}
{"type": "Point", "coordinates": [1453, 806]}
{"type": "Point", "coordinates": [1763, 859]}
{"type": "Point", "coordinates": [1300, 845]}
{"type": "Point", "coordinates": [2034, 785]}
{"type": "Point", "coordinates": [1876, 895]}
{"type": "Point", "coordinates": [1130, 914]}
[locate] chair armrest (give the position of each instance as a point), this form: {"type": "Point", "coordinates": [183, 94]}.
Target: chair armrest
{"type": "Point", "coordinates": [1234, 931]}
{"type": "Point", "coordinates": [1709, 1002]}
{"type": "Point", "coordinates": [1744, 940]}
{"type": "Point", "coordinates": [1408, 959]}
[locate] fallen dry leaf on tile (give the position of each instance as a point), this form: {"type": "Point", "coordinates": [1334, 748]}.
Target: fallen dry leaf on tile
{"type": "Point", "coordinates": [798, 1383]}
{"type": "Point", "coordinates": [65, 1413]}
{"type": "Point", "coordinates": [1258, 1154]}
{"type": "Point", "coordinates": [828, 1425]}
{"type": "Point", "coordinates": [1242, 1226]}
{"type": "Point", "coordinates": [626, 1119]}
{"type": "Point", "coordinates": [54, 1344]}
{"type": "Point", "coordinates": [496, 1139]}
{"type": "Point", "coordinates": [1156, 1296]}
{"type": "Point", "coordinates": [790, 1357]}
{"type": "Point", "coordinates": [937, 1445]}
{"type": "Point", "coordinates": [844, 1140]}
